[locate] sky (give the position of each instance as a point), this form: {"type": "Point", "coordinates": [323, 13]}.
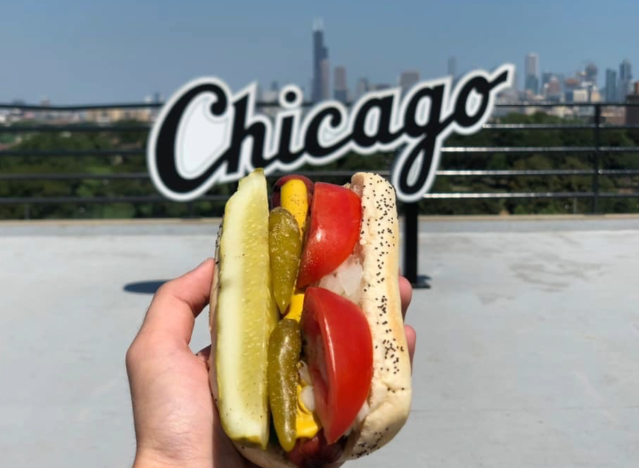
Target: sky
{"type": "Point", "coordinates": [81, 52]}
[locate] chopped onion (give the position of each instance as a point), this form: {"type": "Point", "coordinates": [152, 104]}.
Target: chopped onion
{"type": "Point", "coordinates": [332, 283]}
{"type": "Point", "coordinates": [308, 397]}
{"type": "Point", "coordinates": [346, 280]}
{"type": "Point", "coordinates": [350, 275]}
{"type": "Point", "coordinates": [305, 375]}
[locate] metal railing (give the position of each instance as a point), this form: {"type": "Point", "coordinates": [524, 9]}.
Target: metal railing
{"type": "Point", "coordinates": [594, 151]}
{"type": "Point", "coordinates": [596, 127]}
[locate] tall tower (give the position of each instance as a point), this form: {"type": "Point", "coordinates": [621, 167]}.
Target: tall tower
{"type": "Point", "coordinates": [321, 69]}
{"type": "Point", "coordinates": [611, 85]}
{"type": "Point", "coordinates": [408, 79]}
{"type": "Point", "coordinates": [625, 80]}
{"type": "Point", "coordinates": [532, 73]}
{"type": "Point", "coordinates": [339, 85]}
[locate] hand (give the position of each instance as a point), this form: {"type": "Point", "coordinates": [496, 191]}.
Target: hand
{"type": "Point", "coordinates": [176, 423]}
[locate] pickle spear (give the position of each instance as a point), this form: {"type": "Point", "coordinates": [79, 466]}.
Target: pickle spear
{"type": "Point", "coordinates": [285, 244]}
{"type": "Point", "coordinates": [283, 355]}
{"type": "Point", "coordinates": [245, 314]}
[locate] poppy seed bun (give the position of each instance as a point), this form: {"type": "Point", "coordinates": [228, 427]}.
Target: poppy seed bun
{"type": "Point", "coordinates": [390, 395]}
{"type": "Point", "coordinates": [389, 398]}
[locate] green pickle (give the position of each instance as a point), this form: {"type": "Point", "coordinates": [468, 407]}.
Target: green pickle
{"type": "Point", "coordinates": [285, 248]}
{"type": "Point", "coordinates": [284, 348]}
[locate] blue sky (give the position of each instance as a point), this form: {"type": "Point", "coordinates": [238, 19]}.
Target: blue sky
{"type": "Point", "coordinates": [95, 51]}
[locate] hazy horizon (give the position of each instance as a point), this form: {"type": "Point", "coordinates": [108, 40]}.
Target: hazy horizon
{"type": "Point", "coordinates": [75, 52]}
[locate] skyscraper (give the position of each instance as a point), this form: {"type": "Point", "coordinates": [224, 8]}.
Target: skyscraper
{"type": "Point", "coordinates": [625, 80]}
{"type": "Point", "coordinates": [591, 73]}
{"type": "Point", "coordinates": [546, 77]}
{"type": "Point", "coordinates": [362, 88]}
{"type": "Point", "coordinates": [532, 64]}
{"type": "Point", "coordinates": [611, 93]}
{"type": "Point", "coordinates": [271, 94]}
{"type": "Point", "coordinates": [531, 82]}
{"type": "Point", "coordinates": [553, 88]}
{"type": "Point", "coordinates": [452, 67]}
{"type": "Point", "coordinates": [325, 76]}
{"type": "Point", "coordinates": [339, 86]}
{"type": "Point", "coordinates": [408, 79]}
{"type": "Point", "coordinates": [321, 68]}
{"type": "Point", "coordinates": [632, 112]}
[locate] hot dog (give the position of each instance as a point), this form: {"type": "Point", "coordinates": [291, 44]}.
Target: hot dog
{"type": "Point", "coordinates": [308, 330]}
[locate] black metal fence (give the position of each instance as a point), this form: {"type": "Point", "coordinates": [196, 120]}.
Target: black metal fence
{"type": "Point", "coordinates": [595, 151]}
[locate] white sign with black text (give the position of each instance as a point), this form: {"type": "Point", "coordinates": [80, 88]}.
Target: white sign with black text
{"type": "Point", "coordinates": [207, 135]}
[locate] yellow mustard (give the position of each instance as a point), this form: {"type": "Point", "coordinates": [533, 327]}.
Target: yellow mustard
{"type": "Point", "coordinates": [294, 199]}
{"type": "Point", "coordinates": [306, 424]}
{"type": "Point", "coordinates": [296, 306]}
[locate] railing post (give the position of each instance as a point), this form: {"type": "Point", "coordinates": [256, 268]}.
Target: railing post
{"type": "Point", "coordinates": [411, 246]}
{"type": "Point", "coordinates": [596, 160]}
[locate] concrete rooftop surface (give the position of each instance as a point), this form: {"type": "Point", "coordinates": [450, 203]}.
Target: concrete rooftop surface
{"type": "Point", "coordinates": [527, 352]}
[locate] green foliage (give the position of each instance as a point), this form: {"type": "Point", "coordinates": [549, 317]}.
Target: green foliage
{"type": "Point", "coordinates": [89, 162]}
{"type": "Point", "coordinates": [537, 161]}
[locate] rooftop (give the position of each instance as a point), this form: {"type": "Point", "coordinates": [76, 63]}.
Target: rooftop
{"type": "Point", "coordinates": [526, 354]}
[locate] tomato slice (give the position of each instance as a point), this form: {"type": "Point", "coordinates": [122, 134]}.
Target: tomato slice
{"type": "Point", "coordinates": [339, 348]}
{"type": "Point", "coordinates": [336, 214]}
{"type": "Point", "coordinates": [277, 188]}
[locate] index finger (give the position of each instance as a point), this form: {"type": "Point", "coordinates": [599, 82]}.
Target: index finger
{"type": "Point", "coordinates": [405, 293]}
{"type": "Point", "coordinates": [178, 302]}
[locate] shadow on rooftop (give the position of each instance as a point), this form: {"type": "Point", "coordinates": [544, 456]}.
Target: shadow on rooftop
{"type": "Point", "coordinates": [144, 287]}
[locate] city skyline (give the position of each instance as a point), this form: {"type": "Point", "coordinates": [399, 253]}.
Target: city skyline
{"type": "Point", "coordinates": [74, 55]}
{"type": "Point", "coordinates": [582, 86]}
{"type": "Point", "coordinates": [534, 80]}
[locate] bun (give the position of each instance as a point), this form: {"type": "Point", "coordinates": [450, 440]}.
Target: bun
{"type": "Point", "coordinates": [390, 395]}
{"type": "Point", "coordinates": [388, 403]}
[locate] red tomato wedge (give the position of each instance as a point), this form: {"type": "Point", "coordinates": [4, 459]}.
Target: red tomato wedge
{"type": "Point", "coordinates": [336, 214]}
{"type": "Point", "coordinates": [339, 348]}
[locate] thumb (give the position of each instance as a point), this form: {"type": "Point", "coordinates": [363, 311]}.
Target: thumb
{"type": "Point", "coordinates": [178, 302]}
